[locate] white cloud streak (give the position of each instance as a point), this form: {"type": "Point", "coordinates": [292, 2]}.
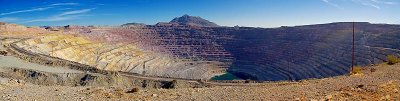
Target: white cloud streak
{"type": "Point", "coordinates": [65, 9]}
{"type": "Point", "coordinates": [39, 8]}
{"type": "Point", "coordinates": [27, 10]}
{"type": "Point", "coordinates": [69, 15]}
{"type": "Point", "coordinates": [375, 3]}
{"type": "Point", "coordinates": [57, 18]}
{"type": "Point", "coordinates": [8, 19]}
{"type": "Point", "coordinates": [76, 12]}
{"type": "Point", "coordinates": [64, 4]}
{"type": "Point", "coordinates": [332, 4]}
{"type": "Point", "coordinates": [370, 3]}
{"type": "Point", "coordinates": [384, 2]}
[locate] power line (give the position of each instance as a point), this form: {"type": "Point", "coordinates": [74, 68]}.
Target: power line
{"type": "Point", "coordinates": [352, 60]}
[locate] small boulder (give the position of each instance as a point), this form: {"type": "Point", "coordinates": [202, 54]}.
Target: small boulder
{"type": "Point", "coordinates": [360, 86]}
{"type": "Point", "coordinates": [154, 95]}
{"type": "Point", "coordinates": [133, 90]}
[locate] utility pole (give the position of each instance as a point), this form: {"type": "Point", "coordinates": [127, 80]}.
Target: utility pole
{"type": "Point", "coordinates": [144, 67]}
{"type": "Point", "coordinates": [52, 45]}
{"type": "Point", "coordinates": [352, 60]}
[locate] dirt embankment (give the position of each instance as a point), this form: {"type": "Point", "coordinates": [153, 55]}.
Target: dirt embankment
{"type": "Point", "coordinates": [85, 79]}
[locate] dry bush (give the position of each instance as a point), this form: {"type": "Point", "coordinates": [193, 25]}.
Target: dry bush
{"type": "Point", "coordinates": [357, 70]}
{"type": "Point", "coordinates": [372, 69]}
{"type": "Point", "coordinates": [133, 90]}
{"type": "Point", "coordinates": [3, 53]}
{"type": "Point", "coordinates": [392, 60]}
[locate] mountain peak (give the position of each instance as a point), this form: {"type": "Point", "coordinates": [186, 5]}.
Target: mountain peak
{"type": "Point", "coordinates": [193, 21]}
{"type": "Point", "coordinates": [185, 15]}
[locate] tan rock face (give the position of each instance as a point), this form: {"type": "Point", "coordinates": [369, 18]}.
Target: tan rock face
{"type": "Point", "coordinates": [110, 53]}
{"type": "Point", "coordinates": [115, 57]}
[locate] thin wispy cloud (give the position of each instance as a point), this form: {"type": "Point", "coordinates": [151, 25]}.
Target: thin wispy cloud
{"type": "Point", "coordinates": [375, 3]}
{"type": "Point", "coordinates": [76, 12]}
{"type": "Point", "coordinates": [64, 4]}
{"type": "Point", "coordinates": [65, 8]}
{"type": "Point", "coordinates": [8, 19]}
{"type": "Point", "coordinates": [57, 18]}
{"type": "Point", "coordinates": [384, 2]}
{"type": "Point", "coordinates": [27, 10]}
{"type": "Point", "coordinates": [369, 3]}
{"type": "Point", "coordinates": [68, 15]}
{"type": "Point", "coordinates": [332, 4]}
{"type": "Point", "coordinates": [39, 8]}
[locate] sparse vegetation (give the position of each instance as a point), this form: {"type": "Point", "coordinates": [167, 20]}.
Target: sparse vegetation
{"type": "Point", "coordinates": [356, 70]}
{"type": "Point", "coordinates": [133, 90]}
{"type": "Point", "coordinates": [169, 84]}
{"type": "Point", "coordinates": [372, 69]}
{"type": "Point", "coordinates": [392, 59]}
{"type": "Point", "coordinates": [3, 53]}
{"type": "Point", "coordinates": [247, 81]}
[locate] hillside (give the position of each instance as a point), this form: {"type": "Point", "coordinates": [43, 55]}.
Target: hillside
{"type": "Point", "coordinates": [193, 21]}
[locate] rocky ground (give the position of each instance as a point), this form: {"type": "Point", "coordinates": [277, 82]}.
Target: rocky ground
{"type": "Point", "coordinates": [380, 82]}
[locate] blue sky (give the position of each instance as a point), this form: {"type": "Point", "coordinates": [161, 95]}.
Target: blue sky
{"type": "Point", "coordinates": [255, 13]}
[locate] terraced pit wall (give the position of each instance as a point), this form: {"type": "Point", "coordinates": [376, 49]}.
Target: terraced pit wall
{"type": "Point", "coordinates": [314, 51]}
{"type": "Point", "coordinates": [92, 77]}
{"type": "Point", "coordinates": [285, 53]}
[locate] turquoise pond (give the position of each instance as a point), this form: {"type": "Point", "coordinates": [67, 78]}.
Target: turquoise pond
{"type": "Point", "coordinates": [226, 76]}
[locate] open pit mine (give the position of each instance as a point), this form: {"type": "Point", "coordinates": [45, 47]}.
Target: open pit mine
{"type": "Point", "coordinates": [193, 48]}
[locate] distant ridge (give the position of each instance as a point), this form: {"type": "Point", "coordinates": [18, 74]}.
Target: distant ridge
{"type": "Point", "coordinates": [193, 21]}
{"type": "Point", "coordinates": [134, 24]}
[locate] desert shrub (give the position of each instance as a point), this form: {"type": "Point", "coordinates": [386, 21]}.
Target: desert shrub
{"type": "Point", "coordinates": [392, 59]}
{"type": "Point", "coordinates": [169, 84]}
{"type": "Point", "coordinates": [247, 81]}
{"type": "Point", "coordinates": [356, 70]}
{"type": "Point", "coordinates": [3, 53]}
{"type": "Point", "coordinates": [133, 90]}
{"type": "Point", "coordinates": [372, 69]}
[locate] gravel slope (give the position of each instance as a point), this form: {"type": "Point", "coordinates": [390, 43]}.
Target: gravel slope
{"type": "Point", "coordinates": [10, 61]}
